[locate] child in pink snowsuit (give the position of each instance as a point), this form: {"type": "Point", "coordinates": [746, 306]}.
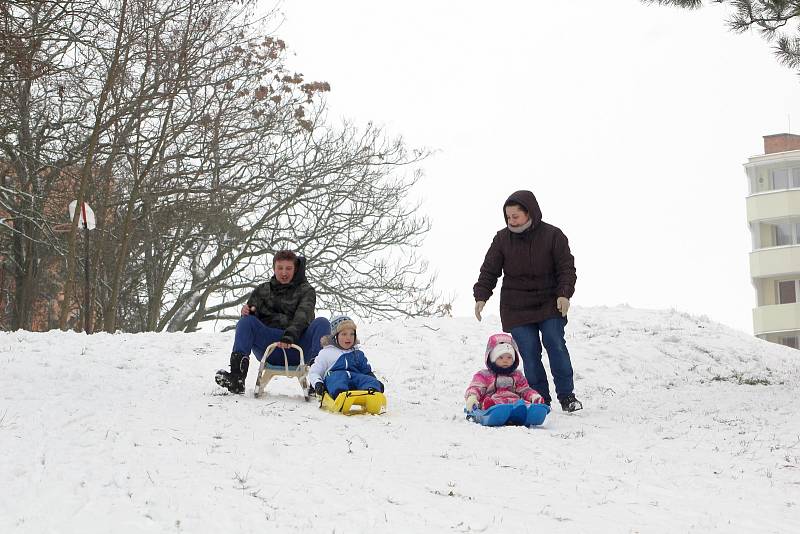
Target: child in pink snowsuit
{"type": "Point", "coordinates": [500, 382]}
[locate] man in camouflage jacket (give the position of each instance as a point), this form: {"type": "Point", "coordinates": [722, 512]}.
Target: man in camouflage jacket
{"type": "Point", "coordinates": [278, 311]}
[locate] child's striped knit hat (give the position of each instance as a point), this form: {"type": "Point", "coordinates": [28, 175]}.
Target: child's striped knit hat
{"type": "Point", "coordinates": [341, 322]}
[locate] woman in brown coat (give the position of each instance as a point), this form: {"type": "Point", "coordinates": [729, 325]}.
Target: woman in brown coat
{"type": "Point", "coordinates": [538, 280]}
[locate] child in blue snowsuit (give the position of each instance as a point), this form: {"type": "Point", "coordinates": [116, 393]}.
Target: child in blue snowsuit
{"type": "Point", "coordinates": [340, 366]}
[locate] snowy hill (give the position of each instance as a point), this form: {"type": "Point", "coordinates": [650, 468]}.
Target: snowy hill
{"type": "Point", "coordinates": [689, 426]}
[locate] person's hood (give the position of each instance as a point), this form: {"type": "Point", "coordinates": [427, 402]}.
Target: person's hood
{"type": "Point", "coordinates": [494, 340]}
{"type": "Point", "coordinates": [527, 199]}
{"type": "Point", "coordinates": [300, 274]}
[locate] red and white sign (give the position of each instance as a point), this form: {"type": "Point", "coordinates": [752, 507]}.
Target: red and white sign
{"type": "Point", "coordinates": [87, 215]}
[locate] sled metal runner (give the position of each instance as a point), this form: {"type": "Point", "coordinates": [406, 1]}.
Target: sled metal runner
{"type": "Point", "coordinates": [266, 371]}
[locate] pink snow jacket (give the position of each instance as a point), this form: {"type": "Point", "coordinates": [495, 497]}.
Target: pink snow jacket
{"type": "Point", "coordinates": [491, 387]}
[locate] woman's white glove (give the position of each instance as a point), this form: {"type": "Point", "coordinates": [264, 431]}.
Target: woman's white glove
{"type": "Point", "coordinates": [479, 308]}
{"type": "Point", "coordinates": [562, 303]}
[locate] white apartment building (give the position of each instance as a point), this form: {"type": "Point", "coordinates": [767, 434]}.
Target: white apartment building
{"type": "Point", "coordinates": [773, 213]}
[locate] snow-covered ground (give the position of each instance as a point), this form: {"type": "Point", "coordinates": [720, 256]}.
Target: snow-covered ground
{"type": "Point", "coordinates": [688, 426]}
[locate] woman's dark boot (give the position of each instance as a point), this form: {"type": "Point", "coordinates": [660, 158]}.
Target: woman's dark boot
{"type": "Point", "coordinates": [570, 403]}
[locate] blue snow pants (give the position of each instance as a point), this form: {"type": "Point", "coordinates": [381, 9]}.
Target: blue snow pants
{"type": "Point", "coordinates": [253, 335]}
{"type": "Point", "coordinates": [339, 381]}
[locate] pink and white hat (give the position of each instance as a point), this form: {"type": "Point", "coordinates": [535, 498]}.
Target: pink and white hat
{"type": "Point", "coordinates": [499, 344]}
{"type": "Point", "coordinates": [501, 349]}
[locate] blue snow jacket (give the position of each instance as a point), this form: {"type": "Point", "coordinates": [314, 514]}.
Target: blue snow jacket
{"type": "Point", "coordinates": [352, 362]}
{"type": "Point", "coordinates": [351, 371]}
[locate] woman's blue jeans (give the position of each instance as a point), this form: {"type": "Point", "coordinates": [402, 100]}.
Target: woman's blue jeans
{"type": "Point", "coordinates": [530, 345]}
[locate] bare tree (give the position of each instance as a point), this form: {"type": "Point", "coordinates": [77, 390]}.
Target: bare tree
{"type": "Point", "coordinates": [340, 202]}
{"type": "Point", "coordinates": [40, 64]}
{"type": "Point", "coordinates": [202, 155]}
{"type": "Point", "coordinates": [88, 163]}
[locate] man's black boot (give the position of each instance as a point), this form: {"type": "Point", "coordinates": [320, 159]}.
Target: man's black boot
{"type": "Point", "coordinates": [234, 380]}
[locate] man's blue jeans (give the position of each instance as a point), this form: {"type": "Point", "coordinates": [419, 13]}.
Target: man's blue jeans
{"type": "Point", "coordinates": [552, 336]}
{"type": "Point", "coordinates": [253, 335]}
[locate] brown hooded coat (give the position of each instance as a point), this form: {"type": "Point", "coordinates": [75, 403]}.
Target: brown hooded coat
{"type": "Point", "coordinates": [537, 268]}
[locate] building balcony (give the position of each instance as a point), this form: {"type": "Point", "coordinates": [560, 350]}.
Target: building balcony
{"type": "Point", "coordinates": [776, 204]}
{"type": "Point", "coordinates": [776, 318]}
{"type": "Point", "coordinates": [775, 261]}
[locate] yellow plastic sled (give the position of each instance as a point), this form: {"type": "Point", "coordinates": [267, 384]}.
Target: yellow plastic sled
{"type": "Point", "coordinates": [357, 401]}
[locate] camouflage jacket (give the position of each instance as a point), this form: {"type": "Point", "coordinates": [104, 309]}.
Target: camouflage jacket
{"type": "Point", "coordinates": [289, 307]}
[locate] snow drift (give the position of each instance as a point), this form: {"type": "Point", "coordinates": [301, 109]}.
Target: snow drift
{"type": "Point", "coordinates": [688, 426]}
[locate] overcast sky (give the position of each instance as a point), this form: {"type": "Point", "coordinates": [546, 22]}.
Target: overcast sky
{"type": "Point", "coordinates": [630, 123]}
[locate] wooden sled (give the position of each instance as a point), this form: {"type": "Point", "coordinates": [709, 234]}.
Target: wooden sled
{"type": "Point", "coordinates": [356, 401]}
{"type": "Point", "coordinates": [266, 371]}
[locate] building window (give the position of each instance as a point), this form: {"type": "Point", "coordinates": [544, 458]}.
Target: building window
{"type": "Point", "coordinates": [776, 233]}
{"type": "Point", "coordinates": [783, 179]}
{"type": "Point", "coordinates": [790, 341]}
{"type": "Point", "coordinates": [783, 234]}
{"type": "Point", "coordinates": [787, 292]}
{"type": "Point", "coordinates": [780, 179]}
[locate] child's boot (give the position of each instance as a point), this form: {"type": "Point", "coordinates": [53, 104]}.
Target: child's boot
{"type": "Point", "coordinates": [234, 380]}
